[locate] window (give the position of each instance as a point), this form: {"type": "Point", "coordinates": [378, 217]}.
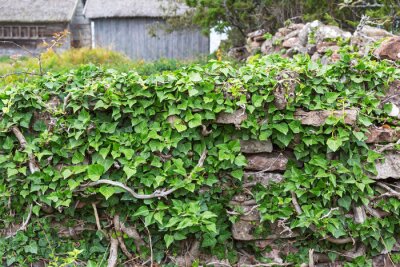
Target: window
{"type": "Point", "coordinates": [22, 32]}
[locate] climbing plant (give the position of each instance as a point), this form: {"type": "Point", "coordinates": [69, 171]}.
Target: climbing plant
{"type": "Point", "coordinates": [100, 166]}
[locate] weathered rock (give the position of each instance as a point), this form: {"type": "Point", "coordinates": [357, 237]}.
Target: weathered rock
{"type": "Point", "coordinates": [328, 32]}
{"type": "Point", "coordinates": [318, 117]}
{"type": "Point", "coordinates": [382, 135]}
{"type": "Point", "coordinates": [240, 53]}
{"type": "Point", "coordinates": [389, 167]}
{"type": "Point", "coordinates": [291, 42]}
{"type": "Point", "coordinates": [254, 45]}
{"type": "Point", "coordinates": [245, 231]}
{"type": "Point", "coordinates": [257, 33]}
{"type": "Point", "coordinates": [237, 117]}
{"type": "Point", "coordinates": [264, 178]}
{"type": "Point", "coordinates": [267, 47]}
{"type": "Point", "coordinates": [323, 47]}
{"type": "Point", "coordinates": [374, 32]}
{"type": "Point", "coordinates": [255, 146]}
{"type": "Point", "coordinates": [259, 38]}
{"type": "Point", "coordinates": [389, 49]}
{"type": "Point", "coordinates": [274, 161]}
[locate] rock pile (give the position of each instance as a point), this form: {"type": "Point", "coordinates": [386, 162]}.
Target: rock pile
{"type": "Point", "coordinates": [318, 40]}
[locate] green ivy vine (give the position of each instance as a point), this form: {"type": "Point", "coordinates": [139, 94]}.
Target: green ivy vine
{"type": "Point", "coordinates": [157, 135]}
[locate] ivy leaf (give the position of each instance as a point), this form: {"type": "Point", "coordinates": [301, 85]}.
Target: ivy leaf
{"type": "Point", "coordinates": [107, 191]}
{"type": "Point", "coordinates": [359, 135]}
{"type": "Point", "coordinates": [195, 77]}
{"type": "Point", "coordinates": [129, 171]}
{"type": "Point", "coordinates": [95, 171]}
{"type": "Point", "coordinates": [168, 240]}
{"type": "Point", "coordinates": [196, 121]}
{"type": "Point", "coordinates": [334, 144]}
{"type": "Point", "coordinates": [238, 174]}
{"type": "Point", "coordinates": [345, 202]}
{"type": "Point", "coordinates": [73, 184]}
{"type": "Point", "coordinates": [281, 127]}
{"type": "Point", "coordinates": [142, 211]}
{"type": "Point", "coordinates": [32, 247]}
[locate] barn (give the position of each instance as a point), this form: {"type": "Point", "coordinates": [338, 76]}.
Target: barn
{"type": "Point", "coordinates": [27, 23]}
{"type": "Point", "coordinates": [135, 28]}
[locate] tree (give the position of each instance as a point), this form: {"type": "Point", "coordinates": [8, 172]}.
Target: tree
{"type": "Point", "coordinates": [239, 17]}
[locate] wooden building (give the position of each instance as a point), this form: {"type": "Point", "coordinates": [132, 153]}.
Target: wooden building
{"type": "Point", "coordinates": [134, 27]}
{"type": "Point", "coordinates": [28, 23]}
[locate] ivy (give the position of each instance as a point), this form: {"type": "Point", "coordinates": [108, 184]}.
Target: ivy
{"type": "Point", "coordinates": [96, 133]}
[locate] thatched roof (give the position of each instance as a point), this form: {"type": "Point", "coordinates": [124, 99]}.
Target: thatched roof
{"type": "Point", "coordinates": [133, 8]}
{"type": "Point", "coordinates": [30, 11]}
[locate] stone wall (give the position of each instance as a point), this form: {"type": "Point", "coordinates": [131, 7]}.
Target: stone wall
{"type": "Point", "coordinates": [266, 164]}
{"type": "Point", "coordinates": [314, 38]}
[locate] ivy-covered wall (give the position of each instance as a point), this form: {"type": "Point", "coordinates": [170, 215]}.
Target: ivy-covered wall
{"type": "Point", "coordinates": [278, 162]}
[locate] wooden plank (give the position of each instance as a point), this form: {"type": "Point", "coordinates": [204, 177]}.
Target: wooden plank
{"type": "Point", "coordinates": [131, 36]}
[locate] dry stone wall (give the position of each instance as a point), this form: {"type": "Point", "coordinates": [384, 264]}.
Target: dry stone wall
{"type": "Point", "coordinates": [266, 165]}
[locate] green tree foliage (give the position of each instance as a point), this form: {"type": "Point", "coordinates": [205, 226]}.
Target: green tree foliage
{"type": "Point", "coordinates": [239, 17]}
{"type": "Point", "coordinates": [92, 125]}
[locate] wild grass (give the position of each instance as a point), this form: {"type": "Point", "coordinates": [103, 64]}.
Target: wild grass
{"type": "Point", "coordinates": [59, 62]}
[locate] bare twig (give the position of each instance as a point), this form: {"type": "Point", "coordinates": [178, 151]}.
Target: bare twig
{"type": "Point", "coordinates": [24, 223]}
{"type": "Point", "coordinates": [113, 256]}
{"type": "Point", "coordinates": [156, 194]}
{"type": "Point", "coordinates": [311, 258]}
{"type": "Point", "coordinates": [33, 166]}
{"type": "Point", "coordinates": [96, 215]}
{"type": "Point", "coordinates": [134, 234]}
{"type": "Point", "coordinates": [121, 242]}
{"type": "Point", "coordinates": [66, 99]}
{"type": "Point", "coordinates": [150, 245]}
{"type": "Point", "coordinates": [329, 213]}
{"type": "Point", "coordinates": [299, 211]}
{"type": "Point", "coordinates": [391, 192]}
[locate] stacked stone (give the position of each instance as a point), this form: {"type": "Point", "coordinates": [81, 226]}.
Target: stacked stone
{"type": "Point", "coordinates": [266, 165]}
{"type": "Point", "coordinates": [314, 38]}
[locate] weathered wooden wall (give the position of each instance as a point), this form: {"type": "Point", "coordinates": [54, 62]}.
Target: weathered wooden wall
{"type": "Point", "coordinates": [131, 36]}
{"type": "Point", "coordinates": [80, 28]}
{"type": "Point", "coordinates": [33, 43]}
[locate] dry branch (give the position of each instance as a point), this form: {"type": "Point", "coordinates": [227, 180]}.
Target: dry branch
{"type": "Point", "coordinates": [120, 238]}
{"type": "Point", "coordinates": [33, 166]}
{"type": "Point", "coordinates": [113, 256]}
{"type": "Point", "coordinates": [299, 211]}
{"type": "Point", "coordinates": [157, 193]}
{"type": "Point", "coordinates": [134, 234]}
{"type": "Point", "coordinates": [24, 223]}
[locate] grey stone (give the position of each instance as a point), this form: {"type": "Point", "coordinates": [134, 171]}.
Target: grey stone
{"type": "Point", "coordinates": [264, 178]}
{"type": "Point", "coordinates": [318, 117]}
{"type": "Point", "coordinates": [237, 117]}
{"type": "Point", "coordinates": [274, 161]}
{"type": "Point", "coordinates": [389, 167]}
{"type": "Point", "coordinates": [325, 32]}
{"type": "Point", "coordinates": [255, 146]}
{"type": "Point", "coordinates": [245, 231]}
{"type": "Point", "coordinates": [291, 42]}
{"type": "Point", "coordinates": [382, 135]}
